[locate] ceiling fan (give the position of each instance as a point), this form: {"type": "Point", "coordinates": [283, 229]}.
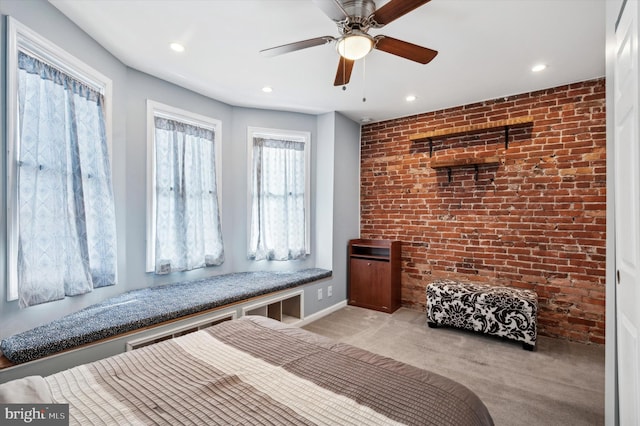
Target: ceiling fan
{"type": "Point", "coordinates": [354, 18]}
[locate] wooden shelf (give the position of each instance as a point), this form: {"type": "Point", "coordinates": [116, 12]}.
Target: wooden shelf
{"type": "Point", "coordinates": [472, 128]}
{"type": "Point", "coordinates": [457, 162]}
{"type": "Point", "coordinates": [449, 162]}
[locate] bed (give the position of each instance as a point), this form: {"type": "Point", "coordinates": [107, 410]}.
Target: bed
{"type": "Point", "coordinates": [251, 371]}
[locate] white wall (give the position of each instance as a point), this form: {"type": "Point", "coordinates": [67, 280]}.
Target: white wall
{"type": "Point", "coordinates": [346, 198]}
{"type": "Point", "coordinates": [337, 208]}
{"type": "Point", "coordinates": [334, 152]}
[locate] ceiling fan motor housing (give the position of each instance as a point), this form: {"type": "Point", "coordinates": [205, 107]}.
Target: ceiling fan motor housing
{"type": "Point", "coordinates": [359, 8]}
{"type": "Point", "coordinates": [359, 12]}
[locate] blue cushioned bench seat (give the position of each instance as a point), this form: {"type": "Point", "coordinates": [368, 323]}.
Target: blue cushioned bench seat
{"type": "Point", "coordinates": [148, 306]}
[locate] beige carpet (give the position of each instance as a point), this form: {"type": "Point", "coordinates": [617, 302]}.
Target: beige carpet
{"type": "Point", "coordinates": [560, 383]}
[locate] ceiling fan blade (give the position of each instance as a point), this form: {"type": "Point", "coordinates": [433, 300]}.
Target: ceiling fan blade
{"type": "Point", "coordinates": [298, 45]}
{"type": "Point", "coordinates": [404, 49]}
{"type": "Point", "coordinates": [395, 9]}
{"type": "Point", "coordinates": [333, 9]}
{"type": "Point", "coordinates": [343, 75]}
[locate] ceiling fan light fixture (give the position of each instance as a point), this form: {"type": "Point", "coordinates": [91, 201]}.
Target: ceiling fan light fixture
{"type": "Point", "coordinates": [354, 45]}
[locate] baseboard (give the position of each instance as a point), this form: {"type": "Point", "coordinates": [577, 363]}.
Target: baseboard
{"type": "Point", "coordinates": [323, 313]}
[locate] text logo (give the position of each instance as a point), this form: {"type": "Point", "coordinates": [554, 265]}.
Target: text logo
{"type": "Point", "coordinates": [34, 414]}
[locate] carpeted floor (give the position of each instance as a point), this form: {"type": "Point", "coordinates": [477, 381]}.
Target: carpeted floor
{"type": "Point", "coordinates": [560, 383]}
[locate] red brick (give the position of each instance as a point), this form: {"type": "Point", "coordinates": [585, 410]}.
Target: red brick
{"type": "Point", "coordinates": [537, 220]}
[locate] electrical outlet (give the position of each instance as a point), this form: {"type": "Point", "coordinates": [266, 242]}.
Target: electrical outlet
{"type": "Point", "coordinates": [319, 294]}
{"type": "Point", "coordinates": [330, 291]}
{"type": "Point", "coordinates": [164, 267]}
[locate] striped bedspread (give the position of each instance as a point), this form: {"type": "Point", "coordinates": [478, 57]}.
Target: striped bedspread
{"type": "Point", "coordinates": [256, 371]}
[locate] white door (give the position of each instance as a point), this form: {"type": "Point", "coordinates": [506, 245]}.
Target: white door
{"type": "Point", "coordinates": [627, 213]}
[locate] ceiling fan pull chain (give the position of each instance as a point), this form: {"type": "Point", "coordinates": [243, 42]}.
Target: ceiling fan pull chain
{"type": "Point", "coordinates": [364, 79]}
{"type": "Point", "coordinates": [344, 72]}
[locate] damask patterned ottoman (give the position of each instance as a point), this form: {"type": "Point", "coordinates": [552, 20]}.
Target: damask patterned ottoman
{"type": "Point", "coordinates": [501, 311]}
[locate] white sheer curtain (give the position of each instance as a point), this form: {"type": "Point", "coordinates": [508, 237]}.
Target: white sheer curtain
{"type": "Point", "coordinates": [67, 233]}
{"type": "Point", "coordinates": [278, 200]}
{"type": "Point", "coordinates": [188, 232]}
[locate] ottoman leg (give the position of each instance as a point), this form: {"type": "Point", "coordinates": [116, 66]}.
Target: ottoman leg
{"type": "Point", "coordinates": [432, 324]}
{"type": "Point", "coordinates": [528, 346]}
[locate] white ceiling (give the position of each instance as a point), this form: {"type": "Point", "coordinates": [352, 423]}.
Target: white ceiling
{"type": "Point", "coordinates": [486, 50]}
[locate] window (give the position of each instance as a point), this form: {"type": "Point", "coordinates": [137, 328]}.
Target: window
{"type": "Point", "coordinates": [279, 194]}
{"type": "Point", "coordinates": [183, 224]}
{"type": "Point", "coordinates": [61, 218]}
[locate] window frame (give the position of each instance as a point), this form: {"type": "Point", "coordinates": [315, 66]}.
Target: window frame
{"type": "Point", "coordinates": [292, 135]}
{"type": "Point", "coordinates": [158, 109]}
{"type": "Point", "coordinates": [22, 38]}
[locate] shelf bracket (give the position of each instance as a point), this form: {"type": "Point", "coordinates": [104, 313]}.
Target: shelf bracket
{"type": "Point", "coordinates": [475, 166]}
{"type": "Point", "coordinates": [506, 137]}
{"type": "Point", "coordinates": [430, 147]}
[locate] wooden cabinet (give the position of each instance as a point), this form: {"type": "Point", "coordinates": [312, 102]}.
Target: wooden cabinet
{"type": "Point", "coordinates": [374, 274]}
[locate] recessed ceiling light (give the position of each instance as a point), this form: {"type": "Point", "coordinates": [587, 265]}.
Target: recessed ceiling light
{"type": "Point", "coordinates": [176, 47]}
{"type": "Point", "coordinates": [538, 67]}
{"type": "Point", "coordinates": [267, 89]}
{"type": "Point", "coordinates": [366, 120]}
{"type": "Point", "coordinates": [410, 98]}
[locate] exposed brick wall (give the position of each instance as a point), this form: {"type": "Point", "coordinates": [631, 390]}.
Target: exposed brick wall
{"type": "Point", "coordinates": [536, 220]}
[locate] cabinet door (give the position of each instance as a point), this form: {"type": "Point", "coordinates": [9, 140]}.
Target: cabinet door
{"type": "Point", "coordinates": [369, 285]}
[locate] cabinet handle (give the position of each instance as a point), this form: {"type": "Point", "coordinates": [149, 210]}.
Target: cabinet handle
{"type": "Point", "coordinates": [368, 263]}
